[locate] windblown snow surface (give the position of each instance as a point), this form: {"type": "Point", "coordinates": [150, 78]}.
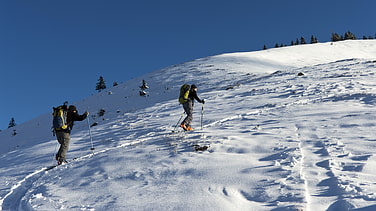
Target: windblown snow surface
{"type": "Point", "coordinates": [277, 141]}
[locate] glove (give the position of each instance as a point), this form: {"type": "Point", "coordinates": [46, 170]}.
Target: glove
{"type": "Point", "coordinates": [203, 101]}
{"type": "Point", "coordinates": [86, 113]}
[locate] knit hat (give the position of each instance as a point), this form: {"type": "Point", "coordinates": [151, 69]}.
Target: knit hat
{"type": "Point", "coordinates": [193, 86]}
{"type": "Point", "coordinates": [72, 108]}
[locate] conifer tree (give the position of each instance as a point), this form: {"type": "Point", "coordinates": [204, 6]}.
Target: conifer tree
{"type": "Point", "coordinates": [335, 37]}
{"type": "Point", "coordinates": [313, 39]}
{"type": "Point", "coordinates": [349, 36]}
{"type": "Point", "coordinates": [12, 123]}
{"type": "Point", "coordinates": [144, 85]}
{"type": "Point", "coordinates": [302, 41]}
{"type": "Point", "coordinates": [142, 93]}
{"type": "Point", "coordinates": [101, 85]}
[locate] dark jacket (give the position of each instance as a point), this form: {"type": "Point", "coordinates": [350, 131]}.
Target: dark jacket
{"type": "Point", "coordinates": [193, 95]}
{"type": "Point", "coordinates": [72, 115]}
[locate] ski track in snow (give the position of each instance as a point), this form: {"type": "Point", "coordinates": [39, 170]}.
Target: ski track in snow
{"type": "Point", "coordinates": [334, 185]}
{"type": "Point", "coordinates": [314, 165]}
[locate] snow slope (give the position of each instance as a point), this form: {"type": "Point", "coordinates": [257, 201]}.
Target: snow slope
{"type": "Point", "coordinates": [277, 141]}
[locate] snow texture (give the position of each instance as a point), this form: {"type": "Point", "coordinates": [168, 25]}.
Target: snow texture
{"type": "Point", "coordinates": [271, 140]}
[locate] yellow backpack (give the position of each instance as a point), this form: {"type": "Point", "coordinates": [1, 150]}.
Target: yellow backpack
{"type": "Point", "coordinates": [59, 121]}
{"type": "Point", "coordinates": [184, 93]}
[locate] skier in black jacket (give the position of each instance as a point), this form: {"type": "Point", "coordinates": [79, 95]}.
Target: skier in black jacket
{"type": "Point", "coordinates": [188, 108]}
{"type": "Point", "coordinates": [63, 136]}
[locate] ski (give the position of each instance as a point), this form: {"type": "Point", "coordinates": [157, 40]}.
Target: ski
{"type": "Point", "coordinates": [185, 131]}
{"type": "Point", "coordinates": [178, 131]}
{"type": "Point", "coordinates": [56, 165]}
{"type": "Point", "coordinates": [50, 167]}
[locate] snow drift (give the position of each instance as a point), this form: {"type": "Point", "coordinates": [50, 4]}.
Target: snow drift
{"type": "Point", "coordinates": [276, 140]}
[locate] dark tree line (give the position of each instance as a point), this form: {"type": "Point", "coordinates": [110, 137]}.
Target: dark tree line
{"type": "Point", "coordinates": [348, 36]}
{"type": "Point", "coordinates": [334, 38]}
{"type": "Point", "coordinates": [298, 41]}
{"type": "Point", "coordinates": [101, 84]}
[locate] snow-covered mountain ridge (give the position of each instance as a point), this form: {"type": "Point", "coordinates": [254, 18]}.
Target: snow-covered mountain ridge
{"type": "Point", "coordinates": [276, 141]}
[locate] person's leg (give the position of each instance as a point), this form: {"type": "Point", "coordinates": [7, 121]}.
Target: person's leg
{"type": "Point", "coordinates": [64, 139]}
{"type": "Point", "coordinates": [188, 108]}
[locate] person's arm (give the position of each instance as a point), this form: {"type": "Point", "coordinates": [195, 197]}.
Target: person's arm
{"type": "Point", "coordinates": [77, 117]}
{"type": "Point", "coordinates": [197, 98]}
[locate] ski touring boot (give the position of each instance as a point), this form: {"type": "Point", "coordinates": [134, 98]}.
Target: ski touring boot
{"type": "Point", "coordinates": [61, 162]}
{"type": "Point", "coordinates": [184, 127]}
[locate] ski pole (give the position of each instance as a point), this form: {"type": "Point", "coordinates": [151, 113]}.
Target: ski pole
{"type": "Point", "coordinates": [54, 155]}
{"type": "Point", "coordinates": [202, 114]}
{"type": "Point", "coordinates": [91, 137]}
{"type": "Point", "coordinates": [178, 121]}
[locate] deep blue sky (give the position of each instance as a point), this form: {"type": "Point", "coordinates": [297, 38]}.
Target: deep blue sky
{"type": "Point", "coordinates": [53, 51]}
